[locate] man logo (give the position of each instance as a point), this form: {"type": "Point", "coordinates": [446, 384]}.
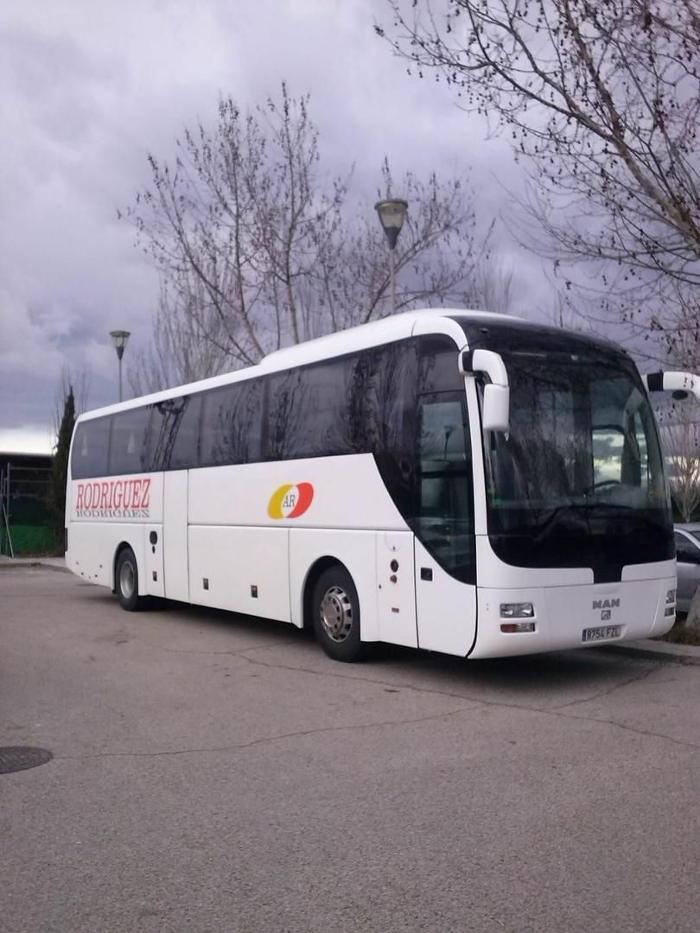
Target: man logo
{"type": "Point", "coordinates": [290, 501]}
{"type": "Point", "coordinates": [606, 603]}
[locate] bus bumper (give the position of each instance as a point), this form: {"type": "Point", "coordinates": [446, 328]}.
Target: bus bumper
{"type": "Point", "coordinates": [567, 617]}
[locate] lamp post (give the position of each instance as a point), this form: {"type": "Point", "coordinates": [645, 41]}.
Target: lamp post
{"type": "Point", "coordinates": [392, 214]}
{"type": "Point", "coordinates": [120, 339]}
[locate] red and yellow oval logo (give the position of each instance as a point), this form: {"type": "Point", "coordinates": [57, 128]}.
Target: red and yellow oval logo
{"type": "Point", "coordinates": [290, 501]}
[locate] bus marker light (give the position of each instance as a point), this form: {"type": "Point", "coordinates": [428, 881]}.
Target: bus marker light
{"type": "Point", "coordinates": [509, 627]}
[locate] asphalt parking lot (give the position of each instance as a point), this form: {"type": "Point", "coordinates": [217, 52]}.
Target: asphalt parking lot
{"type": "Point", "coordinates": [217, 773]}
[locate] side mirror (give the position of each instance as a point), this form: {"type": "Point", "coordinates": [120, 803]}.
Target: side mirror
{"type": "Point", "coordinates": [688, 383]}
{"type": "Point", "coordinates": [496, 408]}
{"type": "Point", "coordinates": [497, 393]}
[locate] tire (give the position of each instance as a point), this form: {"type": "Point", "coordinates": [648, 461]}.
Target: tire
{"type": "Point", "coordinates": [126, 582]}
{"type": "Point", "coordinates": [336, 615]}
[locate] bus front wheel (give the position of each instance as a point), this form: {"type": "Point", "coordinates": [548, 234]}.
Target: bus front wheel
{"type": "Point", "coordinates": [336, 615]}
{"type": "Point", "coordinates": [126, 578]}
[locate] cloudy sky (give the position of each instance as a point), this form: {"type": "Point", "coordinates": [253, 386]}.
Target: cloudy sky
{"type": "Point", "coordinates": [88, 88]}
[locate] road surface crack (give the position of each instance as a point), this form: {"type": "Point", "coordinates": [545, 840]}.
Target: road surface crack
{"type": "Point", "coordinates": [263, 740]}
{"type": "Point", "coordinates": [606, 691]}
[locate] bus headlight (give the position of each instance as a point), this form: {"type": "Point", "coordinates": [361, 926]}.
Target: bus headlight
{"type": "Point", "coordinates": [517, 611]}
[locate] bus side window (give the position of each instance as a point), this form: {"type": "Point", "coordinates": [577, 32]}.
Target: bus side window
{"type": "Point", "coordinates": [231, 424]}
{"type": "Point", "coordinates": [127, 449]}
{"type": "Point", "coordinates": [184, 448]}
{"type": "Point", "coordinates": [309, 411]}
{"type": "Point", "coordinates": [281, 413]}
{"type": "Point", "coordinates": [90, 448]}
{"type": "Point", "coordinates": [248, 421]}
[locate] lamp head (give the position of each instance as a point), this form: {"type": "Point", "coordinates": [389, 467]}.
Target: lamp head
{"type": "Point", "coordinates": [392, 214]}
{"type": "Point", "coordinates": [120, 338]}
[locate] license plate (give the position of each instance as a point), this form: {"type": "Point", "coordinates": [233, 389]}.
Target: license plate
{"type": "Point", "coordinates": [601, 632]}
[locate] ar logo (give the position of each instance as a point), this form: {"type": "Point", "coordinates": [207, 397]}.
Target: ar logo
{"type": "Point", "coordinates": [290, 501]}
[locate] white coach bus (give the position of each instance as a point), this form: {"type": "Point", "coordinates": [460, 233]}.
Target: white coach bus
{"type": "Point", "coordinates": [457, 481]}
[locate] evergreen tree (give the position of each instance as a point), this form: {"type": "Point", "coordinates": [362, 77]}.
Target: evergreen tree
{"type": "Point", "coordinates": [59, 475]}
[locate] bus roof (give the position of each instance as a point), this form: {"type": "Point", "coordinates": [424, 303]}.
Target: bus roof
{"type": "Point", "coordinates": [364, 336]}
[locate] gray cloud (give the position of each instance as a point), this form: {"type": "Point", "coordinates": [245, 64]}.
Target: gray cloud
{"type": "Point", "coordinates": [88, 89]}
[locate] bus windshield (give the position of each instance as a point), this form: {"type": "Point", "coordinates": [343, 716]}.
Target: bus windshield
{"type": "Point", "coordinates": [580, 469]}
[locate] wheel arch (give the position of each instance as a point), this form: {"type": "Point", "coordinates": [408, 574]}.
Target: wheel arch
{"type": "Point", "coordinates": [312, 575]}
{"type": "Point", "coordinates": [122, 546]}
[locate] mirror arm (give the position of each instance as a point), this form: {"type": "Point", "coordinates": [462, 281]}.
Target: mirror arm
{"type": "Point", "coordinates": [484, 361]}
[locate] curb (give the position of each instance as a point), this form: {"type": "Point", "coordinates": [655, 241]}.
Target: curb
{"type": "Point", "coordinates": [14, 563]}
{"type": "Point", "coordinates": [658, 651]}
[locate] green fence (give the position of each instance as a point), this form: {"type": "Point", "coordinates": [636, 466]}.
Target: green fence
{"type": "Point", "coordinates": [27, 524]}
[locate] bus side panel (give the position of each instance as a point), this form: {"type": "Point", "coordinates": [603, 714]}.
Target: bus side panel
{"type": "Point", "coordinates": [175, 569]}
{"type": "Point", "coordinates": [92, 548]}
{"type": "Point", "coordinates": [240, 569]}
{"type": "Point", "coordinates": [356, 550]}
{"type": "Point", "coordinates": [346, 492]}
{"type": "Point", "coordinates": [396, 588]}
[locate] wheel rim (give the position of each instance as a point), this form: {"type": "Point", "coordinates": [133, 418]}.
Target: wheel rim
{"type": "Point", "coordinates": [127, 579]}
{"type": "Point", "coordinates": [336, 614]}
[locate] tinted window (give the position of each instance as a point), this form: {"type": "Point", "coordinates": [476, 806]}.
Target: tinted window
{"type": "Point", "coordinates": [182, 433]}
{"type": "Point", "coordinates": [578, 479]}
{"type": "Point", "coordinates": [90, 449]}
{"type": "Point", "coordinates": [386, 412]}
{"type": "Point", "coordinates": [444, 519]}
{"type": "Point", "coordinates": [128, 451]}
{"type": "Point", "coordinates": [231, 424]}
{"type": "Point", "coordinates": [165, 418]}
{"type": "Point", "coordinates": [310, 411]}
{"type": "Point", "coordinates": [439, 366]}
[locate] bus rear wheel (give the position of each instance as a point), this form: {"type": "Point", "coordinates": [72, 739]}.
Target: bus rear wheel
{"type": "Point", "coordinates": [336, 615]}
{"type": "Point", "coordinates": [126, 579]}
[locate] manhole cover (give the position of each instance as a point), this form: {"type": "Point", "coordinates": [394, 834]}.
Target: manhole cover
{"type": "Point", "coordinates": [21, 757]}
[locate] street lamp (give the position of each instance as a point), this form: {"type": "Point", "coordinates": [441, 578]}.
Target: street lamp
{"type": "Point", "coordinates": [392, 214]}
{"type": "Point", "coordinates": [120, 338]}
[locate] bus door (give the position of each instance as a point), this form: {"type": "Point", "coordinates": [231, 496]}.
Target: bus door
{"type": "Point", "coordinates": [445, 545]}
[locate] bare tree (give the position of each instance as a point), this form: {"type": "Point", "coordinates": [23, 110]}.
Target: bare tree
{"type": "Point", "coordinates": [601, 102]}
{"type": "Point", "coordinates": [257, 250]}
{"type": "Point", "coordinates": [186, 342]}
{"type": "Point", "coordinates": [680, 438]}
